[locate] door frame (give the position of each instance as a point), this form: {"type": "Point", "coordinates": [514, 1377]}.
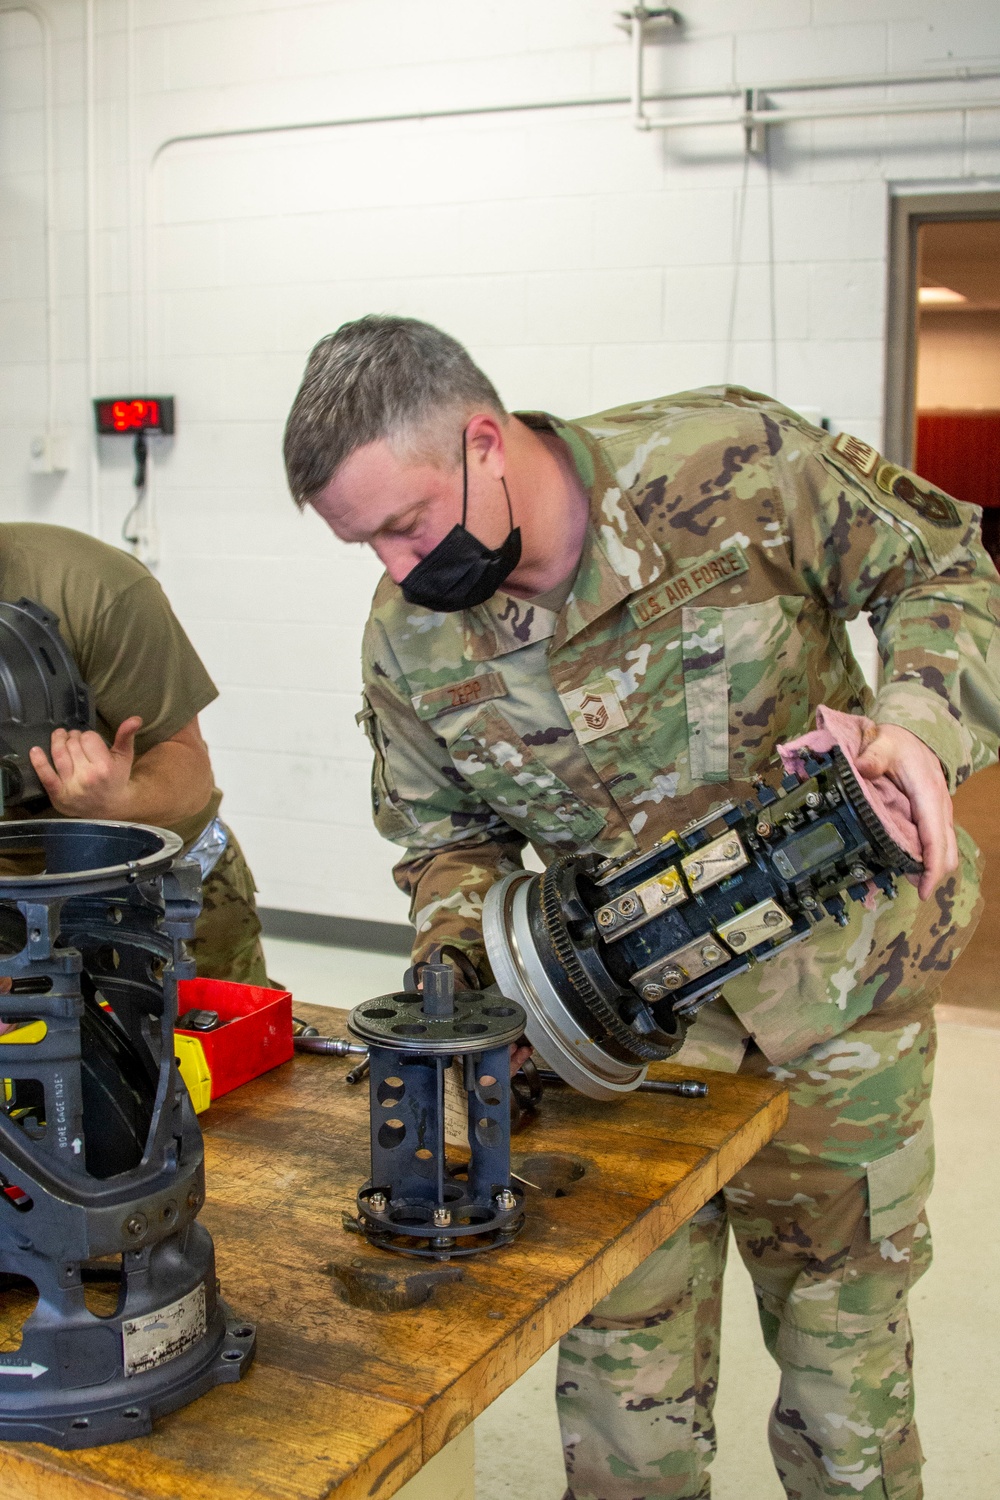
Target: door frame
{"type": "Point", "coordinates": [910, 209]}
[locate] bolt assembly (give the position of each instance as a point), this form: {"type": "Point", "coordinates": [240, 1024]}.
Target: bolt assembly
{"type": "Point", "coordinates": [418, 1201]}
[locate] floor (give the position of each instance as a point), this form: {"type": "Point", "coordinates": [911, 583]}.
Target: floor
{"type": "Point", "coordinates": [955, 1309]}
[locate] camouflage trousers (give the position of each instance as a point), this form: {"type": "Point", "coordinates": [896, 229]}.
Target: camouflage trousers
{"type": "Point", "coordinates": [829, 1221]}
{"type": "Point", "coordinates": [226, 943]}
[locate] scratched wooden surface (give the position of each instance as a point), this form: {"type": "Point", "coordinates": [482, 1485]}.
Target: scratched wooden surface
{"type": "Point", "coordinates": [347, 1401]}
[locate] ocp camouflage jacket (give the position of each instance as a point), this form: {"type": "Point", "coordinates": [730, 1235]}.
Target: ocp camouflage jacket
{"type": "Point", "coordinates": [730, 542]}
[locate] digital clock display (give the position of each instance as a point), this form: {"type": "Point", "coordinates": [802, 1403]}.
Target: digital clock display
{"type": "Point", "coordinates": [127, 414]}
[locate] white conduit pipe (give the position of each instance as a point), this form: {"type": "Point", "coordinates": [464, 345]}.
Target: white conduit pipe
{"type": "Point", "coordinates": [49, 227]}
{"type": "Point", "coordinates": [751, 118]}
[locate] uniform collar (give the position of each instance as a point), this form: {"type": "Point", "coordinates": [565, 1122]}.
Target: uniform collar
{"type": "Point", "coordinates": [619, 559]}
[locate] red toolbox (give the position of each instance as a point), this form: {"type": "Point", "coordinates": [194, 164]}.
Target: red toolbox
{"type": "Point", "coordinates": [256, 1030]}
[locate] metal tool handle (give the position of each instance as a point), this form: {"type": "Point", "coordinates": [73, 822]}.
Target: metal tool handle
{"type": "Point", "coordinates": [685, 1088]}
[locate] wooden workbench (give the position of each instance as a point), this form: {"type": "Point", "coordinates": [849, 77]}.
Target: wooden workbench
{"type": "Point", "coordinates": [345, 1400]}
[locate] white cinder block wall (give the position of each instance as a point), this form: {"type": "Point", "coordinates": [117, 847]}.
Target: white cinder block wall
{"type": "Point", "coordinates": [584, 263]}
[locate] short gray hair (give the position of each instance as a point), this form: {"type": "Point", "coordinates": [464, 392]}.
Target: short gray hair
{"type": "Point", "coordinates": [381, 377]}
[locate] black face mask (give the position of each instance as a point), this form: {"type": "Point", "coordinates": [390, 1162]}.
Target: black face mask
{"type": "Point", "coordinates": [461, 571]}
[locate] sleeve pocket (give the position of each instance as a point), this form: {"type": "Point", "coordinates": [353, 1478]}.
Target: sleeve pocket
{"type": "Point", "coordinates": [898, 1184]}
{"type": "Point", "coordinates": [390, 816]}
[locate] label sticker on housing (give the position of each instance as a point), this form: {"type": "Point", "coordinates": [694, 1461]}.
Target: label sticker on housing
{"type": "Point", "coordinates": [157, 1337]}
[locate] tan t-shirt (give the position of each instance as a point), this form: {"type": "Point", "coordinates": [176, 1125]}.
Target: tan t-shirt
{"type": "Point", "coordinates": [118, 624]}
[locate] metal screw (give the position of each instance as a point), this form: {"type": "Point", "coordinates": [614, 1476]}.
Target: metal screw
{"type": "Point", "coordinates": [628, 906]}
{"type": "Point", "coordinates": [377, 1202]}
{"type": "Point", "coordinates": [606, 917]}
{"type": "Point", "coordinates": [858, 872]}
{"type": "Point", "coordinates": [710, 954]}
{"type": "Point", "coordinates": [808, 902]}
{"type": "Point", "coordinates": [763, 830]}
{"type": "Point", "coordinates": [695, 869]}
{"type": "Point", "coordinates": [672, 977]}
{"type": "Point", "coordinates": [730, 850]}
{"type": "Point", "coordinates": [442, 1218]}
{"type": "Point", "coordinates": [772, 919]}
{"type": "Point", "coordinates": [736, 939]}
{"type": "Point", "coordinates": [653, 991]}
{"type": "Point", "coordinates": [136, 1226]}
{"type": "Point", "coordinates": [506, 1200]}
{"type": "Point", "coordinates": [813, 799]}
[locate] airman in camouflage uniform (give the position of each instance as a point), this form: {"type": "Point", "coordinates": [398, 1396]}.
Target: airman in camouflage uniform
{"type": "Point", "coordinates": [729, 543]}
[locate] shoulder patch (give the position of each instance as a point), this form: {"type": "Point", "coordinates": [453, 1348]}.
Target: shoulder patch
{"type": "Point", "coordinates": [861, 456]}
{"type": "Point", "coordinates": [464, 694]}
{"type": "Point", "coordinates": [928, 502]}
{"type": "Point", "coordinates": [697, 579]}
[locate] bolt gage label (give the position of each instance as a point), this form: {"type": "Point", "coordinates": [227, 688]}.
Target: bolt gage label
{"type": "Point", "coordinates": [157, 1337]}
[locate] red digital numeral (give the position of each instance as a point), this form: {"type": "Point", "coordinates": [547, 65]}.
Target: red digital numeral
{"type": "Point", "coordinates": [133, 416]}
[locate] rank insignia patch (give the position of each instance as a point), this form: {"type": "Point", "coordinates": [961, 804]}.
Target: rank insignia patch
{"type": "Point", "coordinates": [594, 710]}
{"type": "Point", "coordinates": [861, 456]}
{"type": "Point", "coordinates": [929, 503]}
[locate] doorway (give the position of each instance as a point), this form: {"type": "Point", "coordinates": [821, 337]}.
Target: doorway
{"type": "Point", "coordinates": [943, 407]}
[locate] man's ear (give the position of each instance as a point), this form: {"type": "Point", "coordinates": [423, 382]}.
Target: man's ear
{"type": "Point", "coordinates": [484, 442]}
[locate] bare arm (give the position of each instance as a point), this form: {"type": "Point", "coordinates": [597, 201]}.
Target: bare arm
{"type": "Point", "coordinates": [86, 778]}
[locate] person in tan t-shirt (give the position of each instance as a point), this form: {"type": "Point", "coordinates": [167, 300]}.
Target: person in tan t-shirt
{"type": "Point", "coordinates": [146, 762]}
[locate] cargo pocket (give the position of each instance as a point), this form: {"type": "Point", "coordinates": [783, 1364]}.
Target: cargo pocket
{"type": "Point", "coordinates": [706, 693]}
{"type": "Point", "coordinates": [391, 818]}
{"type": "Point", "coordinates": [899, 1184]}
{"type": "Point", "coordinates": [526, 792]}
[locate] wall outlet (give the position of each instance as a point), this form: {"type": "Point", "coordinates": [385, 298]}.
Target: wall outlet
{"type": "Point", "coordinates": [48, 453]}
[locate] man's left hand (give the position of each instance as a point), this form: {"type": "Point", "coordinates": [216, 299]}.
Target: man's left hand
{"type": "Point", "coordinates": [899, 754]}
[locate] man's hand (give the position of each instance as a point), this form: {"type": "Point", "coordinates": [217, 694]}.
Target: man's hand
{"type": "Point", "coordinates": [87, 778]}
{"type": "Point", "coordinates": [519, 1053]}
{"type": "Point", "coordinates": [898, 753]}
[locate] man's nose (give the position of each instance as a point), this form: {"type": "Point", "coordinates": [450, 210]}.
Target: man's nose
{"type": "Point", "coordinates": [397, 557]}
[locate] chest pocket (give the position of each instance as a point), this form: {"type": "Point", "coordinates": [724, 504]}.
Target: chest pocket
{"type": "Point", "coordinates": [706, 692]}
{"type": "Point", "coordinates": [746, 683]}
{"type": "Point", "coordinates": [768, 647]}
{"type": "Point", "coordinates": [527, 793]}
